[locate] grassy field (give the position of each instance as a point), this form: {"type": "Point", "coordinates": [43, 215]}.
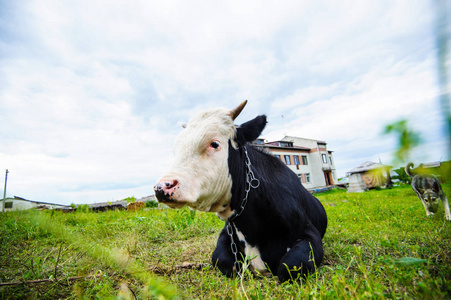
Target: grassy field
{"type": "Point", "coordinates": [379, 244]}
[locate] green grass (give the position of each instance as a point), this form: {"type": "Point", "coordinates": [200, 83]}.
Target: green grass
{"type": "Point", "coordinates": [379, 244]}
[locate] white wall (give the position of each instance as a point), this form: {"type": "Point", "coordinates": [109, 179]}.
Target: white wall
{"type": "Point", "coordinates": [17, 204]}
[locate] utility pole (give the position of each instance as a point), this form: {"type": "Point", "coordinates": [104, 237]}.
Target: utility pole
{"type": "Point", "coordinates": [4, 191]}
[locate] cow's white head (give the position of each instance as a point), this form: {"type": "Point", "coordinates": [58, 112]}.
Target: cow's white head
{"type": "Point", "coordinates": [199, 177]}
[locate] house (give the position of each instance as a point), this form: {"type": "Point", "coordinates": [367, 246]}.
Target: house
{"type": "Point", "coordinates": [118, 205]}
{"type": "Point", "coordinates": [18, 203]}
{"type": "Point", "coordinates": [438, 168]}
{"type": "Point", "coordinates": [105, 206]}
{"type": "Point", "coordinates": [368, 175]}
{"type": "Point", "coordinates": [148, 198]}
{"type": "Point", "coordinates": [310, 159]}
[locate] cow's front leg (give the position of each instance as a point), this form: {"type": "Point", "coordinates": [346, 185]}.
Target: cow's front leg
{"type": "Point", "coordinates": [222, 257]}
{"type": "Point", "coordinates": [302, 258]}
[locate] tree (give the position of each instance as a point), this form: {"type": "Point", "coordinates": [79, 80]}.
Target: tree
{"type": "Point", "coordinates": [402, 176]}
{"type": "Point", "coordinates": [407, 139]}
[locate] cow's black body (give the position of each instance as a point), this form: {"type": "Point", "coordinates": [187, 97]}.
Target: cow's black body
{"type": "Point", "coordinates": [280, 214]}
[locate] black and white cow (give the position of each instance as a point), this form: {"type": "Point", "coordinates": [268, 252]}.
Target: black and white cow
{"type": "Point", "coordinates": [278, 223]}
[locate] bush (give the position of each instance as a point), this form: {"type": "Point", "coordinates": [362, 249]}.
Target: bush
{"type": "Point", "coordinates": [129, 199]}
{"type": "Point", "coordinates": [151, 204]}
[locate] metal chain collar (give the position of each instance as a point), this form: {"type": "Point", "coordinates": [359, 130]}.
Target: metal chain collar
{"type": "Point", "coordinates": [251, 182]}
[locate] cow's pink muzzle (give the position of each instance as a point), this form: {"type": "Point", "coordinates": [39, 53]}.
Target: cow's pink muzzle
{"type": "Point", "coordinates": [165, 190]}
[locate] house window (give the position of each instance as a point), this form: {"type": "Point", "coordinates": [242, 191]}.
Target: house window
{"type": "Point", "coordinates": [307, 177]}
{"type": "Point", "coordinates": [287, 159]}
{"type": "Point", "coordinates": [330, 159]}
{"type": "Point", "coordinates": [324, 158]}
{"type": "Point", "coordinates": [304, 160]}
{"type": "Point", "coordinates": [296, 159]}
{"type": "Point", "coordinates": [300, 177]}
{"type": "Point", "coordinates": [8, 205]}
{"type": "Point", "coordinates": [277, 155]}
{"type": "Point", "coordinates": [285, 144]}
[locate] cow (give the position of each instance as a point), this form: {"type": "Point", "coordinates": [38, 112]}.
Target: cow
{"type": "Point", "coordinates": [270, 218]}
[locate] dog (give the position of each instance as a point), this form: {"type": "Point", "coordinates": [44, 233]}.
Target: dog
{"type": "Point", "coordinates": [429, 191]}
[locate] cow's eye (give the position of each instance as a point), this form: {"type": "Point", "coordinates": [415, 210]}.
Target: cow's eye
{"type": "Point", "coordinates": [215, 145]}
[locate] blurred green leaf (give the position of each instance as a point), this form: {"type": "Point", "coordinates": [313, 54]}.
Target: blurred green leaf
{"type": "Point", "coordinates": [409, 261]}
{"type": "Point", "coordinates": [407, 139]}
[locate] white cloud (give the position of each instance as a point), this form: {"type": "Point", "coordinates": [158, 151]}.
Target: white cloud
{"type": "Point", "coordinates": [353, 114]}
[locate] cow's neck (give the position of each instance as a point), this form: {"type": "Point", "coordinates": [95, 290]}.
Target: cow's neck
{"type": "Point", "coordinates": [240, 200]}
{"type": "Point", "coordinates": [240, 188]}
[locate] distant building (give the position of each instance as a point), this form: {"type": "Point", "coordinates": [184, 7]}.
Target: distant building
{"type": "Point", "coordinates": [18, 203]}
{"type": "Point", "coordinates": [120, 204]}
{"type": "Point", "coordinates": [105, 206]}
{"type": "Point", "coordinates": [310, 159]}
{"type": "Point", "coordinates": [437, 168]}
{"type": "Point", "coordinates": [148, 198]}
{"type": "Point", "coordinates": [368, 175]}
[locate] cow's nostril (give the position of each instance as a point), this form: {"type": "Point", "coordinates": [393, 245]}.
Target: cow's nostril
{"type": "Point", "coordinates": [166, 185]}
{"type": "Point", "coordinates": [158, 187]}
{"type": "Point", "coordinates": [171, 184]}
{"type": "Point", "coordinates": [164, 190]}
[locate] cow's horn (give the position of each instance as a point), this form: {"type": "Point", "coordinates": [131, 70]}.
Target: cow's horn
{"type": "Point", "coordinates": [234, 113]}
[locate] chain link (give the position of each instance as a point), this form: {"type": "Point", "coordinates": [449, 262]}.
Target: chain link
{"type": "Point", "coordinates": [251, 182]}
{"type": "Point", "coordinates": [233, 247]}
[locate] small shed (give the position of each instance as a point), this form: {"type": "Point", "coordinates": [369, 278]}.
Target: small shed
{"type": "Point", "coordinates": [367, 176]}
{"type": "Point", "coordinates": [105, 206]}
{"type": "Point", "coordinates": [19, 203]}
{"type": "Point", "coordinates": [356, 184]}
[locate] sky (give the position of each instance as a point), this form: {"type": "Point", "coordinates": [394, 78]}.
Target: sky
{"type": "Point", "coordinates": [93, 93]}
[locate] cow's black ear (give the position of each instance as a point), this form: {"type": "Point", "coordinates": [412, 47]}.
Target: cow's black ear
{"type": "Point", "coordinates": [251, 130]}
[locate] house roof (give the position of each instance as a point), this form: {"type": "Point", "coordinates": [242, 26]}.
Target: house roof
{"type": "Point", "coordinates": [295, 137]}
{"type": "Point", "coordinates": [366, 166]}
{"type": "Point", "coordinates": [293, 140]}
{"type": "Point", "coordinates": [104, 204]}
{"type": "Point", "coordinates": [272, 145]}
{"type": "Point", "coordinates": [433, 164]}
{"type": "Point", "coordinates": [121, 202]}
{"type": "Point", "coordinates": [40, 202]}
